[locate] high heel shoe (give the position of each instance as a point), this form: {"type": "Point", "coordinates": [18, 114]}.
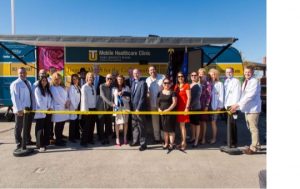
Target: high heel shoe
{"type": "Point", "coordinates": [212, 141]}
{"type": "Point", "coordinates": [118, 142]}
{"type": "Point", "coordinates": [165, 147]}
{"type": "Point", "coordinates": [172, 146]}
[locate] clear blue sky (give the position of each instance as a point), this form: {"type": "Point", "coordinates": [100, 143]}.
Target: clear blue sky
{"type": "Point", "coordinates": [243, 19]}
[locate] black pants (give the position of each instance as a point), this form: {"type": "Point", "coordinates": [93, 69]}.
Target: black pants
{"type": "Point", "coordinates": [59, 128]}
{"type": "Point", "coordinates": [19, 128]}
{"type": "Point", "coordinates": [42, 132]}
{"type": "Point", "coordinates": [100, 125]}
{"type": "Point", "coordinates": [88, 128]}
{"type": "Point", "coordinates": [74, 132]}
{"type": "Point", "coordinates": [107, 126]}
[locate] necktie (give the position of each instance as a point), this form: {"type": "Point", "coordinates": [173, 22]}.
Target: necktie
{"type": "Point", "coordinates": [135, 85]}
{"type": "Point", "coordinates": [29, 88]}
{"type": "Point", "coordinates": [246, 81]}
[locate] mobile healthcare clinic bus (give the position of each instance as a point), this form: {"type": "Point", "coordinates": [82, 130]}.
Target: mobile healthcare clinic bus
{"type": "Point", "coordinates": [114, 54]}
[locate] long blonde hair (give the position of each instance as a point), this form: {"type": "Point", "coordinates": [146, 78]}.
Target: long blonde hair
{"type": "Point", "coordinates": [216, 72]}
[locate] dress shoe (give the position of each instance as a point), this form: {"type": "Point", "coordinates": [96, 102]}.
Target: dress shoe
{"type": "Point", "coordinates": [134, 144]}
{"type": "Point", "coordinates": [30, 143]}
{"type": "Point", "coordinates": [92, 142]}
{"type": "Point", "coordinates": [52, 141]}
{"type": "Point", "coordinates": [72, 140]}
{"type": "Point", "coordinates": [142, 148]}
{"type": "Point", "coordinates": [19, 146]}
{"type": "Point", "coordinates": [60, 144]}
{"type": "Point", "coordinates": [157, 141]}
{"type": "Point", "coordinates": [83, 144]}
{"type": "Point", "coordinates": [191, 141]}
{"type": "Point", "coordinates": [248, 151]}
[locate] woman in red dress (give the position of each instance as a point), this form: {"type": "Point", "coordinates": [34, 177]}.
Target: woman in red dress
{"type": "Point", "coordinates": [183, 93]}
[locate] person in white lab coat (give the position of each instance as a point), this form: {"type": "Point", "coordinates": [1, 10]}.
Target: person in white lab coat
{"type": "Point", "coordinates": [60, 103]}
{"type": "Point", "coordinates": [74, 95]}
{"type": "Point", "coordinates": [43, 98]}
{"type": "Point", "coordinates": [154, 83]}
{"type": "Point", "coordinates": [217, 100]}
{"type": "Point", "coordinates": [21, 97]}
{"type": "Point", "coordinates": [232, 89]}
{"type": "Point", "coordinates": [88, 103]}
{"type": "Point", "coordinates": [250, 104]}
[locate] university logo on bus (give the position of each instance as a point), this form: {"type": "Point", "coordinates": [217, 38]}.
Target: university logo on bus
{"type": "Point", "coordinates": [93, 55]}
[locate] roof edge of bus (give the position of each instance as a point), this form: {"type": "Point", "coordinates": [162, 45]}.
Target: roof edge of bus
{"type": "Point", "coordinates": [116, 41]}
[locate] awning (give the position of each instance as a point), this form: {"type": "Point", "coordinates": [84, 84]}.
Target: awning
{"type": "Point", "coordinates": [120, 41]}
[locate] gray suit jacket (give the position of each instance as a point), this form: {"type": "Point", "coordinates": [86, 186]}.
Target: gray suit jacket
{"type": "Point", "coordinates": [139, 96]}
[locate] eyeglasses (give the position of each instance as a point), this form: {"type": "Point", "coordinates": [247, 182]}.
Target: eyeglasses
{"type": "Point", "coordinates": [166, 83]}
{"type": "Point", "coordinates": [180, 76]}
{"type": "Point", "coordinates": [193, 75]}
{"type": "Point", "coordinates": [109, 78]}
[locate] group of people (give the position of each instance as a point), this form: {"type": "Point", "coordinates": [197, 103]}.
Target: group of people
{"type": "Point", "coordinates": [93, 92]}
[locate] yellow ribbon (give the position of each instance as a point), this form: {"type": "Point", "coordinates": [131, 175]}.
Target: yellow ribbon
{"type": "Point", "coordinates": [127, 112]}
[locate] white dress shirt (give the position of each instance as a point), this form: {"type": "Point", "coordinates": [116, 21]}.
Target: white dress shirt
{"type": "Point", "coordinates": [60, 97]}
{"type": "Point", "coordinates": [74, 97]}
{"type": "Point", "coordinates": [217, 96]}
{"type": "Point", "coordinates": [88, 97]}
{"type": "Point", "coordinates": [250, 101]}
{"type": "Point", "coordinates": [233, 91]}
{"type": "Point", "coordinates": [20, 95]}
{"type": "Point", "coordinates": [42, 103]}
{"type": "Point", "coordinates": [154, 87]}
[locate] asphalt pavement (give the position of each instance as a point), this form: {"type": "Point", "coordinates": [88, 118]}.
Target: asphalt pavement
{"type": "Point", "coordinates": [109, 166]}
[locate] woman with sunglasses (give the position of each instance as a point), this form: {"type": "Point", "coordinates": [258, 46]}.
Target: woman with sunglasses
{"type": "Point", "coordinates": [196, 90]}
{"type": "Point", "coordinates": [74, 94]}
{"type": "Point", "coordinates": [88, 103]}
{"type": "Point", "coordinates": [183, 93]}
{"type": "Point", "coordinates": [166, 102]}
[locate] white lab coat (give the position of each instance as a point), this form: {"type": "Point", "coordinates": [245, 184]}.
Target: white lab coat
{"type": "Point", "coordinates": [35, 85]}
{"type": "Point", "coordinates": [20, 95]}
{"type": "Point", "coordinates": [42, 103]}
{"type": "Point", "coordinates": [60, 97]}
{"type": "Point", "coordinates": [250, 101]}
{"type": "Point", "coordinates": [88, 99]}
{"type": "Point", "coordinates": [233, 91]}
{"type": "Point", "coordinates": [74, 97]}
{"type": "Point", "coordinates": [217, 96]}
{"type": "Point", "coordinates": [154, 87]}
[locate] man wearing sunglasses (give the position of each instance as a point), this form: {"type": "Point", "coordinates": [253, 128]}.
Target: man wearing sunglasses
{"type": "Point", "coordinates": [106, 104]}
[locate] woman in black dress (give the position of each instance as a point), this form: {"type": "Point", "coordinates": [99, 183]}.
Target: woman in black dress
{"type": "Point", "coordinates": [166, 101]}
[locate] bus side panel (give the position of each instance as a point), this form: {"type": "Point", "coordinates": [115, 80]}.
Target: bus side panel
{"type": "Point", "coordinates": [9, 66]}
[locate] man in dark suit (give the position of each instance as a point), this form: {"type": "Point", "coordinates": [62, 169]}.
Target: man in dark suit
{"type": "Point", "coordinates": [98, 80]}
{"type": "Point", "coordinates": [139, 103]}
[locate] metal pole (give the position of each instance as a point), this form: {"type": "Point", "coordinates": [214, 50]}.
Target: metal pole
{"type": "Point", "coordinates": [12, 3]}
{"type": "Point", "coordinates": [229, 117]}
